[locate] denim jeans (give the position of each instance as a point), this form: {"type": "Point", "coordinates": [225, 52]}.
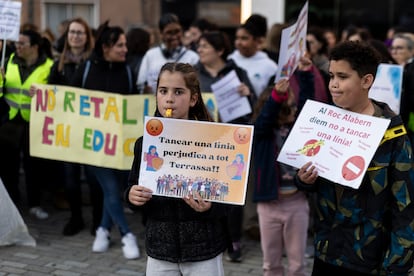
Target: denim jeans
{"type": "Point", "coordinates": [110, 181]}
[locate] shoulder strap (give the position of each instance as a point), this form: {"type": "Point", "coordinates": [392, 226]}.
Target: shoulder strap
{"type": "Point", "coordinates": [85, 72]}
{"type": "Point", "coordinates": [129, 72]}
{"type": "Point", "coordinates": [391, 133]}
{"type": "Point", "coordinates": [394, 132]}
{"type": "Point", "coordinates": [181, 55]}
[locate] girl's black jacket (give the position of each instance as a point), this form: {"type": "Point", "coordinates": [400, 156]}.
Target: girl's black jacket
{"type": "Point", "coordinates": [174, 231]}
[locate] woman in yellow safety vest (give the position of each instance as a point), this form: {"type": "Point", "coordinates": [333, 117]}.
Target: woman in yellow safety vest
{"type": "Point", "coordinates": [29, 64]}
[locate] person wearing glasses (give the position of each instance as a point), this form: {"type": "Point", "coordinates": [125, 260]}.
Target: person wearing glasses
{"type": "Point", "coordinates": [402, 50]}
{"type": "Point", "coordinates": [28, 64]}
{"type": "Point", "coordinates": [77, 48]}
{"type": "Point", "coordinates": [170, 50]}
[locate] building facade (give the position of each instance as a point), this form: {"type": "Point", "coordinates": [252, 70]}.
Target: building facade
{"type": "Point", "coordinates": [335, 14]}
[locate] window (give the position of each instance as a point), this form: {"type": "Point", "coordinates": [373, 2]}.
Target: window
{"type": "Point", "coordinates": [57, 11]}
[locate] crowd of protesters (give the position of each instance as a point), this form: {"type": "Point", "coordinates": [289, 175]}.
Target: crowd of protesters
{"type": "Point", "coordinates": [114, 60]}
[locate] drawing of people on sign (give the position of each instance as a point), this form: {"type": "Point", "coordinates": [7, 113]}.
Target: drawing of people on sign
{"type": "Point", "coordinates": [152, 159]}
{"type": "Point", "coordinates": [287, 69]}
{"type": "Point", "coordinates": [235, 170]}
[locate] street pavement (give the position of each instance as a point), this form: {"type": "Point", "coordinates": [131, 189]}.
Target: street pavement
{"type": "Point", "coordinates": [56, 254]}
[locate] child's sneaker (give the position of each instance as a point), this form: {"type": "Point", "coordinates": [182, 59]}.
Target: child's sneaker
{"type": "Point", "coordinates": [101, 242]}
{"type": "Point", "coordinates": [39, 213]}
{"type": "Point", "coordinates": [235, 256]}
{"type": "Point", "coordinates": [130, 247]}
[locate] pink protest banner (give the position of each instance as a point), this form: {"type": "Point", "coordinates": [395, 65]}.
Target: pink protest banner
{"type": "Point", "coordinates": [183, 156]}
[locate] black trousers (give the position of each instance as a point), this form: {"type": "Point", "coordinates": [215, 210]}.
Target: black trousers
{"type": "Point", "coordinates": [73, 191]}
{"type": "Point", "coordinates": [235, 223]}
{"type": "Point", "coordinates": [39, 173]}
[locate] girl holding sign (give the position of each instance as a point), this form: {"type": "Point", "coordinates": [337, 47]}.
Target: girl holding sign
{"type": "Point", "coordinates": [183, 236]}
{"type": "Point", "coordinates": [283, 210]}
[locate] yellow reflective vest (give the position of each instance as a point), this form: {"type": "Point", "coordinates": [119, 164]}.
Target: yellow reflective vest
{"type": "Point", "coordinates": [17, 93]}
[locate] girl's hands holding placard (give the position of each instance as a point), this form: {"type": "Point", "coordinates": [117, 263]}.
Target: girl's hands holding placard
{"type": "Point", "coordinates": [139, 195]}
{"type": "Point", "coordinates": [197, 203]}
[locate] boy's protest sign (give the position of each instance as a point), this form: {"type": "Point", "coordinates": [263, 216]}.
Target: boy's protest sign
{"type": "Point", "coordinates": [387, 85]}
{"type": "Point", "coordinates": [90, 127]}
{"type": "Point", "coordinates": [180, 157]}
{"type": "Point", "coordinates": [339, 143]}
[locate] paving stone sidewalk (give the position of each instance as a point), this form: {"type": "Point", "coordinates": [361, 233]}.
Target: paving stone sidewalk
{"type": "Point", "coordinates": [56, 254]}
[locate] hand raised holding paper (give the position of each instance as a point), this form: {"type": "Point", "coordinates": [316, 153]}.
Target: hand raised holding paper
{"type": "Point", "coordinates": [282, 86]}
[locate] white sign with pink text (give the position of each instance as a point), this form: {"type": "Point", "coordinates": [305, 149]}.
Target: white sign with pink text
{"type": "Point", "coordinates": [339, 143]}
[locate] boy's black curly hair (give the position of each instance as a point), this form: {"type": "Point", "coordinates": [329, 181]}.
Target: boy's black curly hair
{"type": "Point", "coordinates": [362, 57]}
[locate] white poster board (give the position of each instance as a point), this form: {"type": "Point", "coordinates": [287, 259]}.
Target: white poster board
{"type": "Point", "coordinates": [10, 20]}
{"type": "Point", "coordinates": [339, 143]}
{"type": "Point", "coordinates": [231, 105]}
{"type": "Point", "coordinates": [387, 85]}
{"type": "Point", "coordinates": [292, 45]}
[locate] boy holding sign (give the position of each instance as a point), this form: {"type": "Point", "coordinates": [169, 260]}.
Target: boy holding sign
{"type": "Point", "coordinates": [367, 231]}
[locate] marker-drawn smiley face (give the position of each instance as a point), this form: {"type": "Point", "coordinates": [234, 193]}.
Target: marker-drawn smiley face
{"type": "Point", "coordinates": [154, 127]}
{"type": "Point", "coordinates": [241, 135]}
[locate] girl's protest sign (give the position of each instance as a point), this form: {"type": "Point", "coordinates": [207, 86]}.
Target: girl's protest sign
{"type": "Point", "coordinates": [180, 157]}
{"type": "Point", "coordinates": [339, 143]}
{"type": "Point", "coordinates": [292, 45]}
